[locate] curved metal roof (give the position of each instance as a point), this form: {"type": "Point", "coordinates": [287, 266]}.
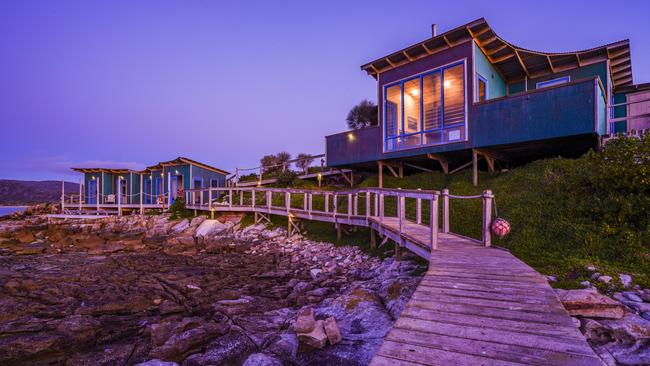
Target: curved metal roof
{"type": "Point", "coordinates": [512, 61]}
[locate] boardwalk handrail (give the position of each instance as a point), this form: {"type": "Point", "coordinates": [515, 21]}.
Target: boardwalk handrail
{"type": "Point", "coordinates": [339, 207]}
{"type": "Point", "coordinates": [487, 197]}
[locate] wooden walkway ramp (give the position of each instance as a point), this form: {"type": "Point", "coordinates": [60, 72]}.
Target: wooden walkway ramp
{"type": "Point", "coordinates": [475, 306]}
{"type": "Point", "coordinates": [482, 306]}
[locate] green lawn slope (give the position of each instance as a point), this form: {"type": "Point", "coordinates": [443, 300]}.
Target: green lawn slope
{"type": "Point", "coordinates": [565, 213]}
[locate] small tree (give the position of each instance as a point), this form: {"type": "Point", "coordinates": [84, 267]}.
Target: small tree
{"type": "Point", "coordinates": [362, 115]}
{"type": "Point", "coordinates": [283, 158]}
{"type": "Point", "coordinates": [304, 161]}
{"type": "Point", "coordinates": [268, 163]}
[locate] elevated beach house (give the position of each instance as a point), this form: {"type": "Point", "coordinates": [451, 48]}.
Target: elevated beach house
{"type": "Point", "coordinates": [156, 187]}
{"type": "Point", "coordinates": [467, 97]}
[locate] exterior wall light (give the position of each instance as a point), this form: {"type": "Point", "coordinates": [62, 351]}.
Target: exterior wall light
{"type": "Point", "coordinates": [351, 137]}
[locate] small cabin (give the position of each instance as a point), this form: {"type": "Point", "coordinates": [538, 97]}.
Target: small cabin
{"type": "Point", "coordinates": [468, 95]}
{"type": "Point", "coordinates": [157, 186]}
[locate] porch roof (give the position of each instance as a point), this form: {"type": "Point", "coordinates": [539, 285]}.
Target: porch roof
{"type": "Point", "coordinates": [513, 62]}
{"type": "Point", "coordinates": [106, 170]}
{"type": "Point", "coordinates": [183, 160]}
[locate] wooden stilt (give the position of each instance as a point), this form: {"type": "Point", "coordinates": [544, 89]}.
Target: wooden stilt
{"type": "Point", "coordinates": [338, 232]}
{"type": "Point", "coordinates": [398, 252]}
{"type": "Point", "coordinates": [381, 174]}
{"type": "Point", "coordinates": [474, 168]}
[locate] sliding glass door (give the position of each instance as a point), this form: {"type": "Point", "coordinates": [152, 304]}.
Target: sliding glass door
{"type": "Point", "coordinates": [427, 109]}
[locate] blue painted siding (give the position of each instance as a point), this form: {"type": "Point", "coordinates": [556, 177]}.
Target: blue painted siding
{"type": "Point", "coordinates": [496, 87]}
{"type": "Point", "coordinates": [548, 113]}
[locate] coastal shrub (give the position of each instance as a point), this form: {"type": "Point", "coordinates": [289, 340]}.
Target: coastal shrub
{"type": "Point", "coordinates": [178, 210]}
{"type": "Point", "coordinates": [286, 178]}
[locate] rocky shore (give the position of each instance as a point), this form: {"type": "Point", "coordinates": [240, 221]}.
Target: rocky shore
{"type": "Point", "coordinates": [131, 290]}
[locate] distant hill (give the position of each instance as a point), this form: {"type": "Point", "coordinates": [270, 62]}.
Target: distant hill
{"type": "Point", "coordinates": [25, 192]}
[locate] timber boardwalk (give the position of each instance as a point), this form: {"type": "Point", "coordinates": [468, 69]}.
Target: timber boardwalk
{"type": "Point", "coordinates": [476, 305]}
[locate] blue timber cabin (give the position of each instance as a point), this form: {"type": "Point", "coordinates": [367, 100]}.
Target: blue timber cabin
{"type": "Point", "coordinates": [468, 97]}
{"type": "Point", "coordinates": [155, 187]}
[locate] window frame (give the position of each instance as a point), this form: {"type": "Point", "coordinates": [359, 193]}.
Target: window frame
{"type": "Point", "coordinates": [480, 78]}
{"type": "Point", "coordinates": [553, 82]}
{"type": "Point", "coordinates": [439, 70]}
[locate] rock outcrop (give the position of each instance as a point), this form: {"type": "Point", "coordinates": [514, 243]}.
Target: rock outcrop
{"type": "Point", "coordinates": [151, 290]}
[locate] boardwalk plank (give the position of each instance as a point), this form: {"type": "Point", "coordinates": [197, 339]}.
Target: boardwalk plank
{"type": "Point", "coordinates": [498, 351]}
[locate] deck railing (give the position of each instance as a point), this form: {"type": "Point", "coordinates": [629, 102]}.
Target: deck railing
{"type": "Point", "coordinates": [355, 207]}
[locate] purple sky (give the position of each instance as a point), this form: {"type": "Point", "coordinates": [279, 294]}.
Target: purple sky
{"type": "Point", "coordinates": [131, 83]}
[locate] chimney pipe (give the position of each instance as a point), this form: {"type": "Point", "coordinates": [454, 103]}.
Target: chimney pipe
{"type": "Point", "coordinates": [433, 30]}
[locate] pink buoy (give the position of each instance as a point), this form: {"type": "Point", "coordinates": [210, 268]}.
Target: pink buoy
{"type": "Point", "coordinates": [500, 227]}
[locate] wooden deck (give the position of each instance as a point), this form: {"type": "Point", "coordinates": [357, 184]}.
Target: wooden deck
{"type": "Point", "coordinates": [476, 305]}
{"type": "Point", "coordinates": [483, 306]}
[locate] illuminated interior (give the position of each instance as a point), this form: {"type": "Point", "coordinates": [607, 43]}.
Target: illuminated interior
{"type": "Point", "coordinates": [425, 110]}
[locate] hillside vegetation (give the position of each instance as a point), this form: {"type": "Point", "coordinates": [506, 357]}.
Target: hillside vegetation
{"type": "Point", "coordinates": [25, 192]}
{"type": "Point", "coordinates": [565, 213]}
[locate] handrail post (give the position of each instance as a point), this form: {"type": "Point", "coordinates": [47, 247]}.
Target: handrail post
{"type": "Point", "coordinates": [418, 210]}
{"type": "Point", "coordinates": [381, 207]}
{"type": "Point", "coordinates": [287, 201]}
{"type": "Point", "coordinates": [253, 197]}
{"type": "Point", "coordinates": [269, 199]}
{"type": "Point", "coordinates": [141, 195]}
{"type": "Point", "coordinates": [367, 204]}
{"type": "Point", "coordinates": [304, 201]}
{"type": "Point", "coordinates": [310, 199]}
{"type": "Point", "coordinates": [230, 198]}
{"type": "Point", "coordinates": [400, 211]}
{"type": "Point", "coordinates": [487, 217]}
{"type": "Point", "coordinates": [356, 204]}
{"type": "Point", "coordinates": [97, 195]}
{"type": "Point", "coordinates": [201, 197]}
{"type": "Point", "coordinates": [241, 197]}
{"type": "Point", "coordinates": [433, 222]}
{"type": "Point", "coordinates": [80, 194]}
{"type": "Point", "coordinates": [376, 204]}
{"type": "Point", "coordinates": [210, 198]}
{"type": "Point", "coordinates": [445, 210]}
{"type": "Point", "coordinates": [119, 195]}
{"type": "Point", "coordinates": [349, 205]}
{"type": "Point", "coordinates": [334, 204]}
{"type": "Point", "coordinates": [327, 202]}
{"type": "Point", "coordinates": [62, 195]}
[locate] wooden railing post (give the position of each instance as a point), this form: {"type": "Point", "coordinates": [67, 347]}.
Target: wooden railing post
{"type": "Point", "coordinates": [241, 197]}
{"type": "Point", "coordinates": [376, 204]}
{"type": "Point", "coordinates": [210, 198]}
{"type": "Point", "coordinates": [119, 195]}
{"type": "Point", "coordinates": [62, 195]}
{"type": "Point", "coordinates": [287, 201]}
{"type": "Point", "coordinates": [400, 211]}
{"type": "Point", "coordinates": [269, 200]}
{"type": "Point", "coordinates": [335, 204]}
{"type": "Point", "coordinates": [445, 210]}
{"type": "Point", "coordinates": [310, 199]}
{"type": "Point", "coordinates": [487, 217]}
{"type": "Point", "coordinates": [367, 203]}
{"type": "Point", "coordinates": [141, 195]}
{"type": "Point", "coordinates": [201, 197]}
{"type": "Point", "coordinates": [418, 210]}
{"type": "Point", "coordinates": [230, 198]}
{"type": "Point", "coordinates": [349, 205]}
{"type": "Point", "coordinates": [381, 207]}
{"type": "Point", "coordinates": [433, 222]}
{"type": "Point", "coordinates": [304, 201]}
{"type": "Point", "coordinates": [253, 197]}
{"type": "Point", "coordinates": [80, 194]}
{"type": "Point", "coordinates": [97, 195]}
{"type": "Point", "coordinates": [356, 204]}
{"type": "Point", "coordinates": [327, 202]}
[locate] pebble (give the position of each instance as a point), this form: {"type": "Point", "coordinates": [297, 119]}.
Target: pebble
{"type": "Point", "coordinates": [632, 296]}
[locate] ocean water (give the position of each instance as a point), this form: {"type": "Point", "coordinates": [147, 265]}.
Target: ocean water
{"type": "Point", "coordinates": [7, 210]}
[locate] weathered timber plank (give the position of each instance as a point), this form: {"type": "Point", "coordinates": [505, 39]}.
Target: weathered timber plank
{"type": "Point", "coordinates": [508, 305]}
{"type": "Point", "coordinates": [523, 315]}
{"type": "Point", "coordinates": [461, 295]}
{"type": "Point", "coordinates": [433, 356]}
{"type": "Point", "coordinates": [379, 360]}
{"type": "Point", "coordinates": [494, 323]}
{"type": "Point", "coordinates": [469, 332]}
{"type": "Point", "coordinates": [497, 351]}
